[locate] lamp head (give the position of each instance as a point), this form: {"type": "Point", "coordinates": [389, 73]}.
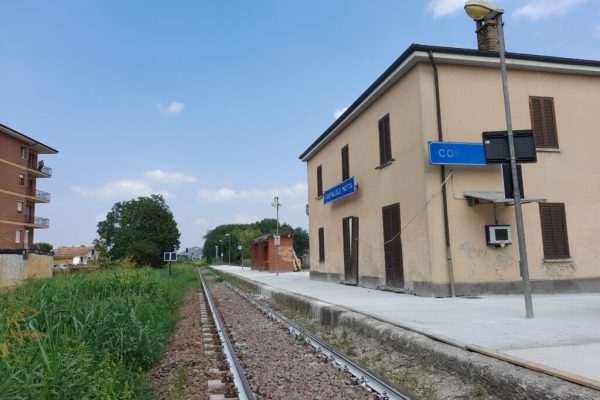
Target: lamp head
{"type": "Point", "coordinates": [479, 9]}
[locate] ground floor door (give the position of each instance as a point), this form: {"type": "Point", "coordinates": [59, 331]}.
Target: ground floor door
{"type": "Point", "coordinates": [350, 237]}
{"type": "Point", "coordinates": [394, 268]}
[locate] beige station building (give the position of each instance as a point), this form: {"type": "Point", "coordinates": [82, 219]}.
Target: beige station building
{"type": "Point", "coordinates": [415, 227]}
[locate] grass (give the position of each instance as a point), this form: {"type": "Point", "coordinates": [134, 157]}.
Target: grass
{"type": "Point", "coordinates": [87, 336]}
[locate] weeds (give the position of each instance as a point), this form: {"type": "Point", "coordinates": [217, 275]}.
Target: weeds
{"type": "Point", "coordinates": [87, 336]}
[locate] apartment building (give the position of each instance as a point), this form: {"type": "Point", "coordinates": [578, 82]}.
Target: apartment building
{"type": "Point", "coordinates": [21, 166]}
{"type": "Point", "coordinates": [382, 215]}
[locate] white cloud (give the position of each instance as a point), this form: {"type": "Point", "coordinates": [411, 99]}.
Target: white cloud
{"type": "Point", "coordinates": [538, 9]}
{"type": "Point", "coordinates": [440, 8]}
{"type": "Point", "coordinates": [172, 109]}
{"type": "Point", "coordinates": [172, 178]}
{"type": "Point", "coordinates": [119, 190]}
{"type": "Point", "coordinates": [227, 194]}
{"type": "Point", "coordinates": [200, 221]}
{"type": "Point", "coordinates": [339, 111]}
{"type": "Point", "coordinates": [101, 217]}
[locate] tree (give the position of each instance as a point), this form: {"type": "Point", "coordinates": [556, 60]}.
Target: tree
{"type": "Point", "coordinates": [140, 229]}
{"type": "Point", "coordinates": [43, 246]}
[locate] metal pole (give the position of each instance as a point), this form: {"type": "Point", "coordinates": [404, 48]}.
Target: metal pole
{"type": "Point", "coordinates": [515, 181]}
{"type": "Point", "coordinates": [277, 247]}
{"type": "Point", "coordinates": [229, 248]}
{"type": "Point", "coordinates": [217, 253]}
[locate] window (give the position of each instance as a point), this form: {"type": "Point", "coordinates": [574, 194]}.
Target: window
{"type": "Point", "coordinates": [20, 207]}
{"type": "Point", "coordinates": [319, 181]}
{"type": "Point", "coordinates": [554, 230]}
{"type": "Point", "coordinates": [345, 163]}
{"type": "Point", "coordinates": [22, 179]}
{"type": "Point", "coordinates": [321, 244]}
{"type": "Point", "coordinates": [18, 237]}
{"type": "Point", "coordinates": [23, 151]}
{"type": "Point", "coordinates": [543, 122]}
{"type": "Point", "coordinates": [385, 146]}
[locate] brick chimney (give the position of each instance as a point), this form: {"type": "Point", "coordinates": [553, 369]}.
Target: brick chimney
{"type": "Point", "coordinates": [487, 35]}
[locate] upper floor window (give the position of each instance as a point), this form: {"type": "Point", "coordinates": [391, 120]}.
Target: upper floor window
{"type": "Point", "coordinates": [385, 145]}
{"type": "Point", "coordinates": [320, 181]}
{"type": "Point", "coordinates": [22, 179]}
{"type": "Point", "coordinates": [543, 122]}
{"type": "Point", "coordinates": [345, 163]}
{"type": "Point", "coordinates": [19, 207]}
{"type": "Point", "coordinates": [23, 151]}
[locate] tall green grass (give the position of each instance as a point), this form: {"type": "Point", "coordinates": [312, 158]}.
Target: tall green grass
{"type": "Point", "coordinates": [87, 336]}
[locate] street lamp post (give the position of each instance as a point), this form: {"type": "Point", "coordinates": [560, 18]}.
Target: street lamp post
{"type": "Point", "coordinates": [229, 247]}
{"type": "Point", "coordinates": [221, 243]}
{"type": "Point", "coordinates": [481, 10]}
{"type": "Point", "coordinates": [217, 253]}
{"type": "Point", "coordinates": [275, 203]}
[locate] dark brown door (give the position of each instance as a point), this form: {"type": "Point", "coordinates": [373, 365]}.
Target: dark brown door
{"type": "Point", "coordinates": [350, 237]}
{"type": "Point", "coordinates": [394, 268]}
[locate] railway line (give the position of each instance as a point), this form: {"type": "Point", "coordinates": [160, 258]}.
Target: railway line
{"type": "Point", "coordinates": [270, 357]}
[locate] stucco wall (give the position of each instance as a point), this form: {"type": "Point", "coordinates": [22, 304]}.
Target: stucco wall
{"type": "Point", "coordinates": [14, 269]}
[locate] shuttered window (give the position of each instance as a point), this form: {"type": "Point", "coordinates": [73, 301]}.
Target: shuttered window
{"type": "Point", "coordinates": [543, 122]}
{"type": "Point", "coordinates": [319, 181]}
{"type": "Point", "coordinates": [392, 246]}
{"type": "Point", "coordinates": [385, 146]}
{"type": "Point", "coordinates": [345, 163]}
{"type": "Point", "coordinates": [321, 244]}
{"type": "Point", "coordinates": [554, 230]}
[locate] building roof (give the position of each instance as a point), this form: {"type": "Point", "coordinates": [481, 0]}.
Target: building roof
{"type": "Point", "coordinates": [72, 251]}
{"type": "Point", "coordinates": [418, 53]}
{"type": "Point", "coordinates": [37, 146]}
{"type": "Point", "coordinates": [262, 238]}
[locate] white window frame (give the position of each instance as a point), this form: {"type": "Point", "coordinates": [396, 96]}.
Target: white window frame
{"type": "Point", "coordinates": [18, 237]}
{"type": "Point", "coordinates": [23, 152]}
{"type": "Point", "coordinates": [22, 178]}
{"type": "Point", "coordinates": [20, 205]}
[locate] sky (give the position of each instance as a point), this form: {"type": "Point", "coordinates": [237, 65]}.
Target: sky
{"type": "Point", "coordinates": [210, 103]}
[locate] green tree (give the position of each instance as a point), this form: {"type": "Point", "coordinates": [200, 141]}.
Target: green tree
{"type": "Point", "coordinates": [140, 229]}
{"type": "Point", "coordinates": [43, 246]}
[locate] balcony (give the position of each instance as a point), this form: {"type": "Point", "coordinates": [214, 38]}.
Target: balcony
{"type": "Point", "coordinates": [39, 171]}
{"type": "Point", "coordinates": [37, 222]}
{"type": "Point", "coordinates": [39, 196]}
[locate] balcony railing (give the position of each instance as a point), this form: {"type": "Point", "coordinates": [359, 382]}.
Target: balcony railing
{"type": "Point", "coordinates": [41, 222]}
{"type": "Point", "coordinates": [40, 195]}
{"type": "Point", "coordinates": [40, 170]}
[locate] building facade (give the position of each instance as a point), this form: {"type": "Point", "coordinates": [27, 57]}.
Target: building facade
{"type": "Point", "coordinates": [415, 227]}
{"type": "Point", "coordinates": [20, 168]}
{"type": "Point", "coordinates": [263, 253]}
{"type": "Point", "coordinates": [76, 255]}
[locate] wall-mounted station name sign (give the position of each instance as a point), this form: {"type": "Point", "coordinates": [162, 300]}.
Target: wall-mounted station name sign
{"type": "Point", "coordinates": [456, 153]}
{"type": "Point", "coordinates": [339, 191]}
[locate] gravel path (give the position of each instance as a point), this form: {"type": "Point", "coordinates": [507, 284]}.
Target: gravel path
{"type": "Point", "coordinates": [277, 365]}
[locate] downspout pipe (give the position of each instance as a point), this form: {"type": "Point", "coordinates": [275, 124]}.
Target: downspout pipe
{"type": "Point", "coordinates": [438, 110]}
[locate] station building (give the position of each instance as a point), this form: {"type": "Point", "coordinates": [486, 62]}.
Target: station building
{"type": "Point", "coordinates": [410, 226]}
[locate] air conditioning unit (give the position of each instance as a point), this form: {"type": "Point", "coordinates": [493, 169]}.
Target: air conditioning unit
{"type": "Point", "coordinates": [498, 235]}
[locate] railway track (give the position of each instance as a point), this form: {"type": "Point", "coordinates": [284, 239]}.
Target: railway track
{"type": "Point", "coordinates": [363, 379]}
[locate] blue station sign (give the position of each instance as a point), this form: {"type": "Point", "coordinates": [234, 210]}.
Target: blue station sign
{"type": "Point", "coordinates": [339, 191]}
{"type": "Point", "coordinates": [454, 153]}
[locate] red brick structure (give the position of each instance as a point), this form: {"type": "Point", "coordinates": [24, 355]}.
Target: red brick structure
{"type": "Point", "coordinates": [19, 170]}
{"type": "Point", "coordinates": [263, 253]}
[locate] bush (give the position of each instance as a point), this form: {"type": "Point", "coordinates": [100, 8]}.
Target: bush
{"type": "Point", "coordinates": [87, 336]}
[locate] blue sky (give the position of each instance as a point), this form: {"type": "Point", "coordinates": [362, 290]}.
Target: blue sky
{"type": "Point", "coordinates": [211, 102]}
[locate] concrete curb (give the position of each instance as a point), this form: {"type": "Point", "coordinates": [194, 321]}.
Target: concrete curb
{"type": "Point", "coordinates": [501, 375]}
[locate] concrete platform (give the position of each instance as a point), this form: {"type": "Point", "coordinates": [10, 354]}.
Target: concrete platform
{"type": "Point", "coordinates": [564, 335]}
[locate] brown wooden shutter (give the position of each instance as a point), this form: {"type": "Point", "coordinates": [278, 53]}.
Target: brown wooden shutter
{"type": "Point", "coordinates": [394, 269]}
{"type": "Point", "coordinates": [319, 181]}
{"type": "Point", "coordinates": [321, 244]}
{"type": "Point", "coordinates": [543, 121]}
{"type": "Point", "coordinates": [345, 163]}
{"type": "Point", "coordinates": [381, 141]}
{"type": "Point", "coordinates": [385, 148]}
{"type": "Point", "coordinates": [554, 230]}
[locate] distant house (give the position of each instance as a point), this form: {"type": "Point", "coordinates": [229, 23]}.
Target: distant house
{"type": "Point", "coordinates": [74, 255]}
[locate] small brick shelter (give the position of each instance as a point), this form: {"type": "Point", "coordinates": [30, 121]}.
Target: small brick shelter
{"type": "Point", "coordinates": [263, 253]}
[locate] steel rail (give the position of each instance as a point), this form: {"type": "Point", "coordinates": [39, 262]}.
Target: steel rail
{"type": "Point", "coordinates": [366, 377]}
{"type": "Point", "coordinates": [239, 377]}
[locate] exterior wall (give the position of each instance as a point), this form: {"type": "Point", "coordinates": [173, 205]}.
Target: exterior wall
{"type": "Point", "coordinates": [566, 176]}
{"type": "Point", "coordinates": [471, 102]}
{"type": "Point", "coordinates": [402, 181]}
{"type": "Point", "coordinates": [14, 268]}
{"type": "Point", "coordinates": [11, 165]}
{"type": "Point", "coordinates": [261, 263]}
